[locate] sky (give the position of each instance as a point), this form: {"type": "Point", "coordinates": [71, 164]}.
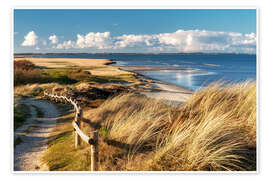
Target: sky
{"type": "Point", "coordinates": [140, 31]}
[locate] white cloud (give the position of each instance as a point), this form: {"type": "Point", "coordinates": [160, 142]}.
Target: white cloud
{"type": "Point", "coordinates": [44, 42]}
{"type": "Point", "coordinates": [94, 40]}
{"type": "Point", "coordinates": [66, 45]}
{"type": "Point", "coordinates": [53, 39]}
{"type": "Point", "coordinates": [134, 40]}
{"type": "Point", "coordinates": [191, 41]}
{"type": "Point", "coordinates": [30, 39]}
{"type": "Point", "coordinates": [91, 40]}
{"type": "Point", "coordinates": [179, 41]}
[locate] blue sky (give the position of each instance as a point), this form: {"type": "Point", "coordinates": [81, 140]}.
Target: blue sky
{"type": "Point", "coordinates": [135, 30]}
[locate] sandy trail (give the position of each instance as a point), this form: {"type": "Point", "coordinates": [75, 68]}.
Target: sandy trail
{"type": "Point", "coordinates": [34, 135]}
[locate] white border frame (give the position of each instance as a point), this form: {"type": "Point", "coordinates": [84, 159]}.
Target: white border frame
{"type": "Point", "coordinates": [258, 150]}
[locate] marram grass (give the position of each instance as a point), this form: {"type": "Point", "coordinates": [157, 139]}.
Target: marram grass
{"type": "Point", "coordinates": [215, 130]}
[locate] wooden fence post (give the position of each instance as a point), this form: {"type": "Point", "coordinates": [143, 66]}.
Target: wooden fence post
{"type": "Point", "coordinates": [94, 150]}
{"type": "Point", "coordinates": [78, 122]}
{"type": "Point", "coordinates": [78, 116]}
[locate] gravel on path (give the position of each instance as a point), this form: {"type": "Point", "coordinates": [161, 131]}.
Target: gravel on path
{"type": "Point", "coordinates": [34, 135]}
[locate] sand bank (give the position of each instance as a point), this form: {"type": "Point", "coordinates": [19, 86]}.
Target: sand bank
{"type": "Point", "coordinates": [169, 92]}
{"type": "Point", "coordinates": [98, 67]}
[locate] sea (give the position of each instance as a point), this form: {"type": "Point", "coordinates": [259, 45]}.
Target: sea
{"type": "Point", "coordinates": [200, 69]}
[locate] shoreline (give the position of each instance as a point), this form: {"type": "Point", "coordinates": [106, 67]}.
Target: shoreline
{"type": "Point", "coordinates": [172, 94]}
{"type": "Point", "coordinates": [151, 68]}
{"type": "Point", "coordinates": [108, 62]}
{"type": "Point", "coordinates": [157, 81]}
{"type": "Point", "coordinates": [103, 67]}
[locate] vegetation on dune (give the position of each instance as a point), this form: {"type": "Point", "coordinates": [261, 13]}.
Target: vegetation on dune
{"type": "Point", "coordinates": [24, 65]}
{"type": "Point", "coordinates": [21, 113]}
{"type": "Point", "coordinates": [215, 130]}
{"type": "Point", "coordinates": [32, 89]}
{"type": "Point", "coordinates": [25, 72]}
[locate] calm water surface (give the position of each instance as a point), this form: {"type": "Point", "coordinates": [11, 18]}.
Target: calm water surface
{"type": "Point", "coordinates": [206, 68]}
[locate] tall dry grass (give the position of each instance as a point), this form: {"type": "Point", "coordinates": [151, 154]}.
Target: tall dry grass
{"type": "Point", "coordinates": [36, 89]}
{"type": "Point", "coordinates": [215, 130]}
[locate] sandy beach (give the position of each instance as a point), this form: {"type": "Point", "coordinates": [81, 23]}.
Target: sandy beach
{"type": "Point", "coordinates": [169, 92]}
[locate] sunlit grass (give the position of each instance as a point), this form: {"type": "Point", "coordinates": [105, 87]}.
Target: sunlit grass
{"type": "Point", "coordinates": [214, 130]}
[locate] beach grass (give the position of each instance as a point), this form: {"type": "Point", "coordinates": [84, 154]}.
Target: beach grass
{"type": "Point", "coordinates": [214, 131]}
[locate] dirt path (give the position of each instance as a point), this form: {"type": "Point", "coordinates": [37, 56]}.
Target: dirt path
{"type": "Point", "coordinates": [34, 135]}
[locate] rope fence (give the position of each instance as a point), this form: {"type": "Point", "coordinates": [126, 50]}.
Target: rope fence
{"type": "Point", "coordinates": [92, 139]}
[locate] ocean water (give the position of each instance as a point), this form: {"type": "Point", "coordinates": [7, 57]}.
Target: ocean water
{"type": "Point", "coordinates": [203, 68]}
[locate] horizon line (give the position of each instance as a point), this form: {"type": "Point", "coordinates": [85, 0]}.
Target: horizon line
{"type": "Point", "coordinates": [37, 53]}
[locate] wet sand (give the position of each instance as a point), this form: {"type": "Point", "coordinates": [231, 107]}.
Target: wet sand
{"type": "Point", "coordinates": [149, 68]}
{"type": "Point", "coordinates": [171, 93]}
